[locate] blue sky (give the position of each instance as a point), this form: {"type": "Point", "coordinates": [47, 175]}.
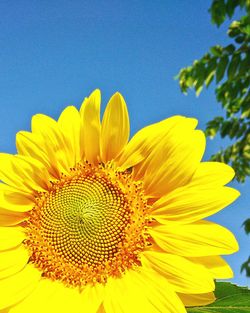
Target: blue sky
{"type": "Point", "coordinates": [54, 53]}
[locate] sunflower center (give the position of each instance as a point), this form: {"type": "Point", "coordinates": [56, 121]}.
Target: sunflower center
{"type": "Point", "coordinates": [85, 220]}
{"type": "Point", "coordinates": [88, 226]}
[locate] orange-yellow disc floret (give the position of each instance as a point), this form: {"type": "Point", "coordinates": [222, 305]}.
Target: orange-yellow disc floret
{"type": "Point", "coordinates": [88, 226]}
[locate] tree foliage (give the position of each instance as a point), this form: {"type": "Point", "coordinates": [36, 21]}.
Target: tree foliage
{"type": "Point", "coordinates": [229, 67]}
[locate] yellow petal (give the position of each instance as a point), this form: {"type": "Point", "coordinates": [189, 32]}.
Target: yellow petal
{"type": "Point", "coordinates": [10, 237]}
{"type": "Point", "coordinates": [212, 174]}
{"type": "Point", "coordinates": [191, 203]}
{"type": "Point", "coordinates": [100, 310]}
{"type": "Point", "coordinates": [50, 297]}
{"type": "Point", "coordinates": [91, 126]}
{"type": "Point", "coordinates": [5, 310]}
{"type": "Point", "coordinates": [53, 142]}
{"type": "Point", "coordinates": [115, 128]}
{"type": "Point", "coordinates": [217, 266]}
{"type": "Point", "coordinates": [10, 218]}
{"type": "Point", "coordinates": [145, 141]}
{"type": "Point", "coordinates": [184, 275]}
{"type": "Point", "coordinates": [201, 238]}
{"type": "Point", "coordinates": [70, 124]}
{"type": "Point", "coordinates": [13, 261]}
{"type": "Point", "coordinates": [16, 287]}
{"type": "Point", "coordinates": [144, 291]}
{"type": "Point", "coordinates": [92, 297]}
{"type": "Point", "coordinates": [174, 161]}
{"type": "Point", "coordinates": [30, 144]}
{"type": "Point", "coordinates": [197, 299]}
{"type": "Point", "coordinates": [15, 200]}
{"type": "Point", "coordinates": [23, 173]}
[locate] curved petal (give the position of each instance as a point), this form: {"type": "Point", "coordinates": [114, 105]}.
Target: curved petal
{"type": "Point", "coordinates": [50, 296]}
{"type": "Point", "coordinates": [5, 310]}
{"type": "Point", "coordinates": [144, 291]}
{"type": "Point", "coordinates": [217, 266]}
{"type": "Point", "coordinates": [10, 218]}
{"type": "Point", "coordinates": [23, 173]}
{"type": "Point", "coordinates": [212, 174]}
{"type": "Point", "coordinates": [145, 141]}
{"type": "Point", "coordinates": [10, 237]}
{"type": "Point", "coordinates": [70, 124]}
{"type": "Point", "coordinates": [16, 287]}
{"type": "Point", "coordinates": [14, 200]}
{"type": "Point", "coordinates": [174, 161]}
{"type": "Point", "coordinates": [184, 275]}
{"type": "Point", "coordinates": [201, 238]}
{"type": "Point", "coordinates": [115, 128]}
{"type": "Point", "coordinates": [30, 144]}
{"type": "Point", "coordinates": [53, 143]}
{"type": "Point", "coordinates": [91, 126]}
{"type": "Point", "coordinates": [92, 297]}
{"type": "Point", "coordinates": [192, 203]}
{"type": "Point", "coordinates": [197, 299]}
{"type": "Point", "coordinates": [13, 261]}
{"type": "Point", "coordinates": [100, 310]}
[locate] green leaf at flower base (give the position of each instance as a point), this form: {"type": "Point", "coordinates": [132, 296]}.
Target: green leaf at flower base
{"type": "Point", "coordinates": [230, 299]}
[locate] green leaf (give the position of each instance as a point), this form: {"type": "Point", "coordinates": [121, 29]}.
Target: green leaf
{"type": "Point", "coordinates": [244, 64]}
{"type": "Point", "coordinates": [232, 68]}
{"type": "Point", "coordinates": [246, 267]}
{"type": "Point", "coordinates": [209, 78]}
{"type": "Point", "coordinates": [218, 12]}
{"type": "Point", "coordinates": [221, 68]}
{"type": "Point", "coordinates": [230, 7]}
{"type": "Point", "coordinates": [230, 49]}
{"type": "Point", "coordinates": [216, 50]}
{"type": "Point", "coordinates": [225, 129]}
{"type": "Point", "coordinates": [246, 225]}
{"type": "Point", "coordinates": [230, 299]}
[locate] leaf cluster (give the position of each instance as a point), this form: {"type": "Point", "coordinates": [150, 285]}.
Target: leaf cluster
{"type": "Point", "coordinates": [229, 67]}
{"type": "Point", "coordinates": [220, 9]}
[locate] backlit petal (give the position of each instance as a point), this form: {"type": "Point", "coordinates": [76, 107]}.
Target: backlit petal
{"type": "Point", "coordinates": [92, 297]}
{"type": "Point", "coordinates": [217, 266]}
{"type": "Point", "coordinates": [23, 173]}
{"type": "Point", "coordinates": [15, 200]}
{"type": "Point", "coordinates": [70, 124]}
{"type": "Point", "coordinates": [141, 292]}
{"type": "Point", "coordinates": [184, 275]}
{"type": "Point", "coordinates": [174, 161]}
{"type": "Point", "coordinates": [145, 141]}
{"type": "Point", "coordinates": [212, 174]}
{"type": "Point", "coordinates": [91, 126]}
{"type": "Point", "coordinates": [10, 218]}
{"type": "Point", "coordinates": [16, 287]}
{"type": "Point", "coordinates": [13, 261]}
{"type": "Point", "coordinates": [10, 237]}
{"type": "Point", "coordinates": [192, 203]}
{"type": "Point", "coordinates": [53, 143]}
{"type": "Point", "coordinates": [32, 145]}
{"type": "Point", "coordinates": [50, 297]}
{"type": "Point", "coordinates": [201, 238]}
{"type": "Point", "coordinates": [115, 128]}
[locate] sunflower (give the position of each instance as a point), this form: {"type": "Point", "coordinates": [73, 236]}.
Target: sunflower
{"type": "Point", "coordinates": [92, 222]}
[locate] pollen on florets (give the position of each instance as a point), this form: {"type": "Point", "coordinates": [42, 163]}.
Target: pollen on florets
{"type": "Point", "coordinates": [88, 226]}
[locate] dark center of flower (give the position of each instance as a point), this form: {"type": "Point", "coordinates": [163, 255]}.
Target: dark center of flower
{"type": "Point", "coordinates": [88, 226]}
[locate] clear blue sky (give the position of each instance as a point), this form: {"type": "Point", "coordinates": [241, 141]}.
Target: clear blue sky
{"type": "Point", "coordinates": [54, 53]}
